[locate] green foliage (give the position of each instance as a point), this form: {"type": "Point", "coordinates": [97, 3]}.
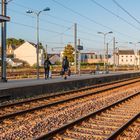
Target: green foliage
{"type": "Point", "coordinates": [68, 51]}
{"type": "Point", "coordinates": [14, 41]}
{"type": "Point", "coordinates": [89, 64]}
{"type": "Point", "coordinates": [10, 56]}
{"type": "Point", "coordinates": [41, 46]}
{"type": "Point", "coordinates": [57, 63]}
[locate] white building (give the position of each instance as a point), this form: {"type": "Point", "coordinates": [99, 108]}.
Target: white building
{"type": "Point", "coordinates": [125, 57]}
{"type": "Point", "coordinates": [27, 52]}
{"type": "Point", "coordinates": [138, 58]}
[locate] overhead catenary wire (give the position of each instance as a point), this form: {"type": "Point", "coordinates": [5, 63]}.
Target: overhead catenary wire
{"type": "Point", "coordinates": [31, 16]}
{"type": "Point", "coordinates": [128, 13]}
{"type": "Point", "coordinates": [46, 21]}
{"type": "Point", "coordinates": [114, 14]}
{"type": "Point", "coordinates": [61, 33]}
{"type": "Point", "coordinates": [48, 30]}
{"type": "Point", "coordinates": [23, 6]}
{"type": "Point", "coordinates": [89, 19]}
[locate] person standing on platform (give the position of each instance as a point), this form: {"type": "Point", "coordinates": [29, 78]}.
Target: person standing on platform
{"type": "Point", "coordinates": [65, 66]}
{"type": "Point", "coordinates": [47, 65]}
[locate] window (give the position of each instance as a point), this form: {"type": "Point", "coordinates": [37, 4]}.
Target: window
{"type": "Point", "coordinates": [122, 60]}
{"type": "Point", "coordinates": [131, 60]}
{"type": "Point", "coordinates": [126, 60]}
{"type": "Point", "coordinates": [126, 56]}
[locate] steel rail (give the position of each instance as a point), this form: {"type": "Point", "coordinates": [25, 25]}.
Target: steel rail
{"type": "Point", "coordinates": [60, 130]}
{"type": "Point", "coordinates": [60, 101]}
{"type": "Point", "coordinates": [65, 92]}
{"type": "Point", "coordinates": [123, 127]}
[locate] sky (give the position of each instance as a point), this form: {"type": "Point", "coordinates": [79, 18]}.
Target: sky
{"type": "Point", "coordinates": [91, 16]}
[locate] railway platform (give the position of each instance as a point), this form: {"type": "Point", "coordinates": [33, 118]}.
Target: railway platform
{"type": "Point", "coordinates": [31, 87]}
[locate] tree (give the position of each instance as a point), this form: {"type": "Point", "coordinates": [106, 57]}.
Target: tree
{"type": "Point", "coordinates": [14, 42]}
{"type": "Point", "coordinates": [68, 51]}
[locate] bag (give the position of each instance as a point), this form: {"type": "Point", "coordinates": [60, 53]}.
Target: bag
{"type": "Point", "coordinates": [69, 72]}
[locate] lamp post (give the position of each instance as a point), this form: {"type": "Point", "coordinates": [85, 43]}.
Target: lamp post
{"type": "Point", "coordinates": [135, 63]}
{"type": "Point", "coordinates": [104, 34]}
{"type": "Point", "coordinates": [37, 48]}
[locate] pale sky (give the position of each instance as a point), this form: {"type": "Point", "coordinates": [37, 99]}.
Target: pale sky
{"type": "Point", "coordinates": [56, 25]}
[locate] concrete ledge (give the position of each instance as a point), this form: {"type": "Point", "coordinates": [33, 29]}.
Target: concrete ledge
{"type": "Point", "coordinates": [36, 89]}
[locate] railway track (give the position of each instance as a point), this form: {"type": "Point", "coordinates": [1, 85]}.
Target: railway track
{"type": "Point", "coordinates": [21, 107]}
{"type": "Point", "coordinates": [130, 130]}
{"type": "Point", "coordinates": [32, 124]}
{"type": "Point", "coordinates": [102, 124]}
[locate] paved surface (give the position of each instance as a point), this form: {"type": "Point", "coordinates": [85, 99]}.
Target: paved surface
{"type": "Point", "coordinates": [30, 82]}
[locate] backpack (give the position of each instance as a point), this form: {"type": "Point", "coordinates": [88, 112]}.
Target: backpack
{"type": "Point", "coordinates": [46, 64]}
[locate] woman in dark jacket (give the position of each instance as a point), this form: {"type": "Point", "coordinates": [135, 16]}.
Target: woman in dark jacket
{"type": "Point", "coordinates": [65, 66]}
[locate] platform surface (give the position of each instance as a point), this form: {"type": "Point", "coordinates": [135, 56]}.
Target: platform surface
{"type": "Point", "coordinates": [31, 82]}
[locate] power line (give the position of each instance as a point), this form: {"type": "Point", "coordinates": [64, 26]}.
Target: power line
{"type": "Point", "coordinates": [18, 12]}
{"type": "Point", "coordinates": [55, 23]}
{"type": "Point", "coordinates": [33, 27]}
{"type": "Point", "coordinates": [109, 11]}
{"type": "Point", "coordinates": [68, 28]}
{"type": "Point", "coordinates": [54, 17]}
{"type": "Point", "coordinates": [43, 29]}
{"type": "Point", "coordinates": [91, 20]}
{"type": "Point", "coordinates": [126, 11]}
{"type": "Point", "coordinates": [31, 16]}
{"type": "Point", "coordinates": [75, 12]}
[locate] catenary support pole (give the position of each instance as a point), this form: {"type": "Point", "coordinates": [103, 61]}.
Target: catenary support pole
{"type": "Point", "coordinates": [114, 60]}
{"type": "Point", "coordinates": [3, 43]}
{"type": "Point", "coordinates": [75, 46]}
{"type": "Point", "coordinates": [79, 59]}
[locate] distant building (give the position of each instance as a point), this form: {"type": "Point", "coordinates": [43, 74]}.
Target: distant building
{"type": "Point", "coordinates": [125, 57]}
{"type": "Point", "coordinates": [10, 50]}
{"type": "Point", "coordinates": [14, 62]}
{"type": "Point", "coordinates": [87, 57]}
{"type": "Point", "coordinates": [27, 52]}
{"type": "Point", "coordinates": [91, 57]}
{"type": "Point", "coordinates": [138, 58]}
{"type": "Point", "coordinates": [55, 58]}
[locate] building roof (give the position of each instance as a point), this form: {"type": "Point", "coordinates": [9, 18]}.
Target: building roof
{"type": "Point", "coordinates": [16, 60]}
{"type": "Point", "coordinates": [126, 52]}
{"type": "Point", "coordinates": [55, 58]}
{"type": "Point", "coordinates": [32, 44]}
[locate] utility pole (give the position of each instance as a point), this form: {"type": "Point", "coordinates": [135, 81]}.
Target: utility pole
{"type": "Point", "coordinates": [139, 58]}
{"type": "Point", "coordinates": [46, 51]}
{"type": "Point", "coordinates": [107, 57]}
{"type": "Point", "coordinates": [79, 59]}
{"type": "Point", "coordinates": [3, 42]}
{"type": "Point", "coordinates": [114, 61]}
{"type": "Point", "coordinates": [75, 46]}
